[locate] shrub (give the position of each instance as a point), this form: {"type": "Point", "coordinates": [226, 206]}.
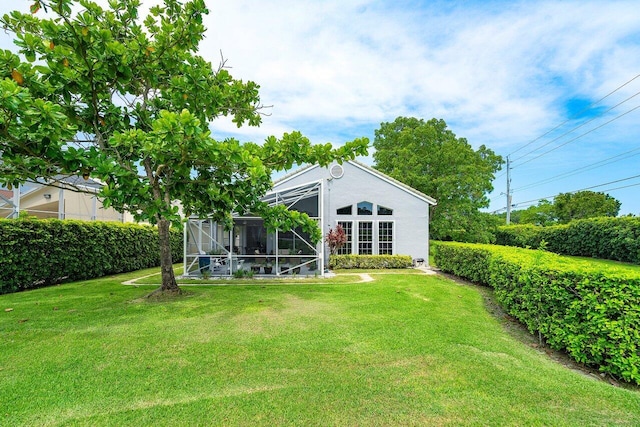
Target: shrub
{"type": "Point", "coordinates": [607, 238]}
{"type": "Point", "coordinates": [369, 261]}
{"type": "Point", "coordinates": [44, 252]}
{"type": "Point", "coordinates": [469, 263]}
{"type": "Point", "coordinates": [588, 309]}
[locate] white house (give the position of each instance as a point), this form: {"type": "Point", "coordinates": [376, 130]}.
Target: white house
{"type": "Point", "coordinates": [379, 214]}
{"type": "Point", "coordinates": [63, 201]}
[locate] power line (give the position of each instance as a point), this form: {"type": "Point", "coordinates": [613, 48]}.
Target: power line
{"type": "Point", "coordinates": [584, 168]}
{"type": "Point", "coordinates": [607, 183]}
{"type": "Point", "coordinates": [580, 136]}
{"type": "Point", "coordinates": [575, 128]}
{"type": "Point", "coordinates": [589, 188]}
{"type": "Point", "coordinates": [581, 169]}
{"type": "Point", "coordinates": [532, 202]}
{"type": "Point", "coordinates": [575, 115]}
{"type": "Point", "coordinates": [618, 188]}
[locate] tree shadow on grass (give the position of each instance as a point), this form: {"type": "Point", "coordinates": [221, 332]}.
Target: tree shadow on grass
{"type": "Point", "coordinates": [163, 296]}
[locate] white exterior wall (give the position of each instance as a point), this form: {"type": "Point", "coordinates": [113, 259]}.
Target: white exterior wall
{"type": "Point", "coordinates": [410, 210]}
{"type": "Point", "coordinates": [67, 204]}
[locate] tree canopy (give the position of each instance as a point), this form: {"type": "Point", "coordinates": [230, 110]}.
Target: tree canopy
{"type": "Point", "coordinates": [584, 204]}
{"type": "Point", "coordinates": [566, 207]}
{"type": "Point", "coordinates": [427, 156]}
{"type": "Point", "coordinates": [108, 94]}
{"type": "Point", "coordinates": [541, 214]}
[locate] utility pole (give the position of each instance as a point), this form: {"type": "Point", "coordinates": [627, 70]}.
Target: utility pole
{"type": "Point", "coordinates": [508, 190]}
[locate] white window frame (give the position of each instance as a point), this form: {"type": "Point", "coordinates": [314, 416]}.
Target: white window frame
{"type": "Point", "coordinates": [357, 238]}
{"type": "Point", "coordinates": [353, 234]}
{"type": "Point", "coordinates": [393, 236]}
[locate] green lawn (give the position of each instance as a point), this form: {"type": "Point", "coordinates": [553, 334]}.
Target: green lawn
{"type": "Point", "coordinates": [406, 349]}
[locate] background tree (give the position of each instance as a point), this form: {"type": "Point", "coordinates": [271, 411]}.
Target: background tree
{"type": "Point", "coordinates": [541, 214]}
{"type": "Point", "coordinates": [487, 226]}
{"type": "Point", "coordinates": [430, 158]}
{"type": "Point", "coordinates": [102, 93]}
{"type": "Point", "coordinates": [584, 204]}
{"type": "Point", "coordinates": [544, 213]}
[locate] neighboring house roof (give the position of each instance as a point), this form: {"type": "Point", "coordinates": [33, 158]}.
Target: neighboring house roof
{"type": "Point", "coordinates": [29, 189]}
{"type": "Point", "coordinates": [372, 171]}
{"type": "Point", "coordinates": [73, 181]}
{"type": "Point", "coordinates": [6, 197]}
{"type": "Point", "coordinates": [7, 194]}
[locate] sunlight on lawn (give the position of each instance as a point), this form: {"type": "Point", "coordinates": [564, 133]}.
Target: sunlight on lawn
{"type": "Point", "coordinates": [404, 349]}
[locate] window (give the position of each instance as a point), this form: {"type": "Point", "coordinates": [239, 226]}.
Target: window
{"type": "Point", "coordinates": [385, 238]}
{"type": "Point", "coordinates": [365, 238]}
{"type": "Point", "coordinates": [344, 211]}
{"type": "Point", "coordinates": [384, 211]}
{"type": "Point", "coordinates": [347, 248]}
{"type": "Point", "coordinates": [365, 208]}
{"type": "Point", "coordinates": [308, 205]}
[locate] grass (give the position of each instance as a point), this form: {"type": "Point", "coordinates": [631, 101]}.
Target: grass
{"type": "Point", "coordinates": [405, 349]}
{"type": "Point", "coordinates": [154, 279]}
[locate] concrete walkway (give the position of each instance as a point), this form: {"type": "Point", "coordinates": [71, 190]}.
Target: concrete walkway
{"type": "Point", "coordinates": [364, 277]}
{"type": "Point", "coordinates": [426, 270]}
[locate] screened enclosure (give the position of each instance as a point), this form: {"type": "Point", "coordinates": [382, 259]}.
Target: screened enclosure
{"type": "Point", "coordinates": [212, 250]}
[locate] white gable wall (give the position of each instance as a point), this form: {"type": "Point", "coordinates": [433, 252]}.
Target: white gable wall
{"type": "Point", "coordinates": [410, 211]}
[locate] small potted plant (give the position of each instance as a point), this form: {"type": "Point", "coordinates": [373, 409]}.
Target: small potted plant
{"type": "Point", "coordinates": [256, 268]}
{"type": "Point", "coordinates": [268, 267]}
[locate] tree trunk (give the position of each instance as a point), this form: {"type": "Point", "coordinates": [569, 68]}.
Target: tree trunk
{"type": "Point", "coordinates": [169, 283]}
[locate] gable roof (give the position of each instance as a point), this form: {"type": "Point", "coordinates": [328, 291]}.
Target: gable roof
{"type": "Point", "coordinates": [370, 170]}
{"type": "Point", "coordinates": [395, 182]}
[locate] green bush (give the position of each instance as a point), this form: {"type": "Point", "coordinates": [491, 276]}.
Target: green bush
{"type": "Point", "coordinates": [588, 309]}
{"type": "Point", "coordinates": [369, 261]}
{"type": "Point", "coordinates": [44, 252]}
{"type": "Point", "coordinates": [607, 238]}
{"type": "Point", "coordinates": [469, 263]}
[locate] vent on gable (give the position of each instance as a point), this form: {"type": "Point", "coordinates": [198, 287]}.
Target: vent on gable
{"type": "Point", "coordinates": [336, 171]}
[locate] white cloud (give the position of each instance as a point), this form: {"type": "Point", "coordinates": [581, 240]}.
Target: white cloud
{"type": "Point", "coordinates": [499, 73]}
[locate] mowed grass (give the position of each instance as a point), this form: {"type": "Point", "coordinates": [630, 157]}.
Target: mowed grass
{"type": "Point", "coordinates": [406, 349]}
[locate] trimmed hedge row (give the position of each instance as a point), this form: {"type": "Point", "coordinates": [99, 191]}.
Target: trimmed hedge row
{"type": "Point", "coordinates": [38, 253]}
{"type": "Point", "coordinates": [590, 310]}
{"type": "Point", "coordinates": [606, 238]}
{"type": "Point", "coordinates": [369, 261]}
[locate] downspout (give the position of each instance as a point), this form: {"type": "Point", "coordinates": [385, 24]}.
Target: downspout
{"type": "Point", "coordinates": [16, 201]}
{"type": "Point", "coordinates": [322, 215]}
{"type": "Point", "coordinates": [94, 208]}
{"type": "Point", "coordinates": [184, 248]}
{"type": "Point", "coordinates": [428, 237]}
{"type": "Point", "coordinates": [61, 204]}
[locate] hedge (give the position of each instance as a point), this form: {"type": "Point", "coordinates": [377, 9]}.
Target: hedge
{"type": "Point", "coordinates": [606, 238]}
{"type": "Point", "coordinates": [44, 252]}
{"type": "Point", "coordinates": [369, 261]}
{"type": "Point", "coordinates": [591, 310]}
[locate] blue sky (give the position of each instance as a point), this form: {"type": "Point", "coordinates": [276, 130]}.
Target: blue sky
{"type": "Point", "coordinates": [518, 77]}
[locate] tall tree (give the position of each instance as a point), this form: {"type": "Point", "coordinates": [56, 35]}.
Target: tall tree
{"type": "Point", "coordinates": [584, 204]}
{"type": "Point", "coordinates": [541, 214]}
{"type": "Point", "coordinates": [430, 158]}
{"type": "Point", "coordinates": [106, 94]}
